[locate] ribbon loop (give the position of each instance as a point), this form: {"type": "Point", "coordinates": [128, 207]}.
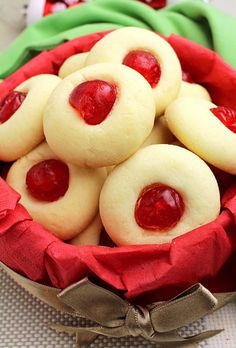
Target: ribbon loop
{"type": "Point", "coordinates": [118, 318]}
{"type": "Point", "coordinates": [157, 322]}
{"type": "Point", "coordinates": [95, 303]}
{"type": "Point", "coordinates": [191, 305]}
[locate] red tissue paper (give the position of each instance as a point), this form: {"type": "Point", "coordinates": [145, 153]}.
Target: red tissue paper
{"type": "Point", "coordinates": [143, 273]}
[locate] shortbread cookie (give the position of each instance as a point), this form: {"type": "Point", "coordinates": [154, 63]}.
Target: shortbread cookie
{"type": "Point", "coordinates": [60, 196]}
{"type": "Point", "coordinates": [72, 64]}
{"type": "Point", "coordinates": [147, 53]}
{"type": "Point", "coordinates": [100, 115]}
{"type": "Point", "coordinates": [161, 192]}
{"type": "Point", "coordinates": [21, 116]}
{"type": "Point", "coordinates": [206, 129]}
{"type": "Point", "coordinates": [160, 134]}
{"type": "Point", "coordinates": [193, 90]}
{"type": "Point", "coordinates": [91, 235]}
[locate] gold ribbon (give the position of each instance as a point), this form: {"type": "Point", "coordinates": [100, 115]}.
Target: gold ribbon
{"type": "Point", "coordinates": [116, 317]}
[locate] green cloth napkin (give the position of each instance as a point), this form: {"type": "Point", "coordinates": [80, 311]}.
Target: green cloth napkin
{"type": "Point", "coordinates": [192, 19]}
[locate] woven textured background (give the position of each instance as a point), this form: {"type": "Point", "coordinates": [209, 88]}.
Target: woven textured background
{"type": "Point", "coordinates": [24, 323]}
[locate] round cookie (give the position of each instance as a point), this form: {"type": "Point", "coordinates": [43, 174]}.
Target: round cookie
{"type": "Point", "coordinates": [21, 116]}
{"type": "Point", "coordinates": [147, 53]}
{"type": "Point", "coordinates": [193, 90]}
{"type": "Point", "coordinates": [154, 197]}
{"type": "Point", "coordinates": [72, 64]}
{"type": "Point", "coordinates": [100, 115]}
{"type": "Point", "coordinates": [160, 134]}
{"type": "Point", "coordinates": [91, 235]}
{"type": "Point", "coordinates": [77, 205]}
{"type": "Point", "coordinates": [197, 127]}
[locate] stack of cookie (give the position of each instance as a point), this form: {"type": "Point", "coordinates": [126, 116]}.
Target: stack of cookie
{"type": "Point", "coordinates": [94, 146]}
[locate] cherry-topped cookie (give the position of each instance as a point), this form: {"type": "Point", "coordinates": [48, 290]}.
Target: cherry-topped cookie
{"type": "Point", "coordinates": [206, 129]}
{"type": "Point", "coordinates": [148, 54]}
{"type": "Point", "coordinates": [91, 234]}
{"type": "Point", "coordinates": [190, 89]}
{"type": "Point", "coordinates": [100, 115]}
{"type": "Point", "coordinates": [160, 133]}
{"type": "Point", "coordinates": [72, 64]}
{"type": "Point", "coordinates": [61, 196]}
{"type": "Point", "coordinates": [158, 194]}
{"type": "Point", "coordinates": [21, 116]}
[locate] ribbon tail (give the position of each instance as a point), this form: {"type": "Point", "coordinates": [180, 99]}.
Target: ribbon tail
{"type": "Point", "coordinates": [85, 338]}
{"type": "Point", "coordinates": [203, 336]}
{"type": "Point", "coordinates": [174, 340]}
{"type": "Point", "coordinates": [86, 335]}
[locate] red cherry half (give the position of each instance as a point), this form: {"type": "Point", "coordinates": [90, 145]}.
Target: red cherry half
{"type": "Point", "coordinates": [227, 116]}
{"type": "Point", "coordinates": [144, 63]}
{"type": "Point", "coordinates": [10, 104]}
{"type": "Point", "coordinates": [48, 180]}
{"type": "Point", "coordinates": [159, 207]}
{"type": "Point", "coordinates": [94, 100]}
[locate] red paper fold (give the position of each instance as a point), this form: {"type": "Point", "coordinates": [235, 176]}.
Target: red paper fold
{"type": "Point", "coordinates": [144, 273]}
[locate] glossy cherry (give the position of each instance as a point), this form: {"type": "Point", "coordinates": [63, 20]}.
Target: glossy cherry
{"type": "Point", "coordinates": [146, 64]}
{"type": "Point", "coordinates": [94, 100]}
{"type": "Point", "coordinates": [226, 115]}
{"type": "Point", "coordinates": [48, 180]}
{"type": "Point", "coordinates": [10, 104]}
{"type": "Point", "coordinates": [159, 207]}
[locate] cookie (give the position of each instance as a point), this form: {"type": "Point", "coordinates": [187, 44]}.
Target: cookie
{"type": "Point", "coordinates": [60, 196]}
{"type": "Point", "coordinates": [91, 234]}
{"type": "Point", "coordinates": [100, 115]}
{"type": "Point", "coordinates": [193, 90]}
{"type": "Point", "coordinates": [72, 64]}
{"type": "Point", "coordinates": [21, 116]}
{"type": "Point", "coordinates": [154, 197]}
{"type": "Point", "coordinates": [206, 129]}
{"type": "Point", "coordinates": [146, 52]}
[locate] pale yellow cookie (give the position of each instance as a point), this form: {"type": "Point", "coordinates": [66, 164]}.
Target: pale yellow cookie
{"type": "Point", "coordinates": [160, 134]}
{"type": "Point", "coordinates": [116, 45]}
{"type": "Point", "coordinates": [72, 64]}
{"type": "Point", "coordinates": [70, 214]}
{"type": "Point", "coordinates": [193, 90]}
{"type": "Point", "coordinates": [118, 136]}
{"type": "Point", "coordinates": [169, 165]}
{"type": "Point", "coordinates": [24, 130]}
{"type": "Point", "coordinates": [192, 122]}
{"type": "Point", "coordinates": [91, 235]}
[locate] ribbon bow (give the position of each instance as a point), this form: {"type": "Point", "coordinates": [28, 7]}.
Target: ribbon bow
{"type": "Point", "coordinates": [116, 317]}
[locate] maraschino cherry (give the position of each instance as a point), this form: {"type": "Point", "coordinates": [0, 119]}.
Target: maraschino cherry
{"type": "Point", "coordinates": [48, 180]}
{"type": "Point", "coordinates": [226, 115]}
{"type": "Point", "coordinates": [10, 104]}
{"type": "Point", "coordinates": [94, 100]}
{"type": "Point", "coordinates": [159, 207]}
{"type": "Point", "coordinates": [144, 63]}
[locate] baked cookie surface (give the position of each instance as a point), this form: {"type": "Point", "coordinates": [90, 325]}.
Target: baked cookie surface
{"type": "Point", "coordinates": [73, 125]}
{"type": "Point", "coordinates": [68, 214]}
{"type": "Point", "coordinates": [147, 53]}
{"type": "Point", "coordinates": [154, 197]}
{"type": "Point", "coordinates": [194, 123]}
{"type": "Point", "coordinates": [23, 130]}
{"type": "Point", "coordinates": [72, 64]}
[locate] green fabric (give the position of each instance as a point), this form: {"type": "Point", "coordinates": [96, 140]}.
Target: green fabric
{"type": "Point", "coordinates": [192, 19]}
